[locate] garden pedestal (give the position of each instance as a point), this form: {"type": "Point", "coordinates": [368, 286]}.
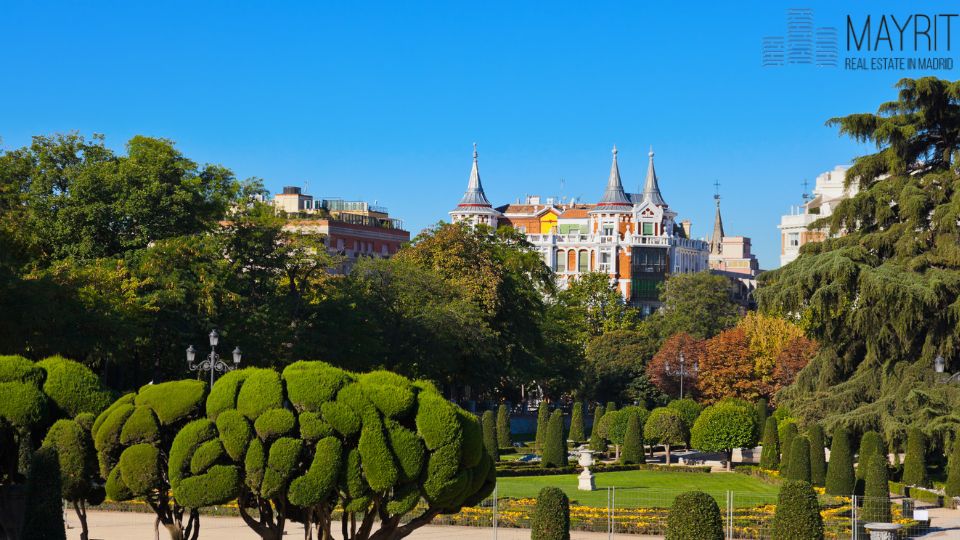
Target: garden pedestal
{"type": "Point", "coordinates": [882, 531]}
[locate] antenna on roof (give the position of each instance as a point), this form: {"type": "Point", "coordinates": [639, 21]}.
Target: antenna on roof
{"type": "Point", "coordinates": [716, 190]}
{"type": "Point", "coordinates": [806, 196]}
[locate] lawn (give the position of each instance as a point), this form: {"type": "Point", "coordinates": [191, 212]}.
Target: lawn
{"type": "Point", "coordinates": [644, 488]}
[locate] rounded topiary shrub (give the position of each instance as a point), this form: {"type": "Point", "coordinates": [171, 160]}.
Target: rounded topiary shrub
{"type": "Point", "coordinates": [799, 468]}
{"type": "Point", "coordinates": [841, 480]}
{"type": "Point", "coordinates": [551, 517]}
{"type": "Point", "coordinates": [797, 516]}
{"type": "Point", "coordinates": [73, 388]}
{"type": "Point", "coordinates": [694, 515]}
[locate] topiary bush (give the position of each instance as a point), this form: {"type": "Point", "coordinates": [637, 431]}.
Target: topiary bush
{"type": "Point", "coordinates": [871, 444]}
{"type": "Point", "coordinates": [761, 410]}
{"type": "Point", "coordinates": [797, 516]}
{"type": "Point", "coordinates": [551, 516]}
{"type": "Point", "coordinates": [840, 479]}
{"type": "Point", "coordinates": [613, 425]}
{"type": "Point", "coordinates": [694, 515]}
{"type": "Point", "coordinates": [952, 486]}
{"type": "Point", "coordinates": [490, 435]}
{"type": "Point", "coordinates": [786, 445]}
{"type": "Point", "coordinates": [818, 462]}
{"type": "Point", "coordinates": [915, 461]}
{"type": "Point", "coordinates": [799, 468]}
{"type": "Point", "coordinates": [632, 452]}
{"type": "Point", "coordinates": [375, 445]}
{"type": "Point", "coordinates": [597, 442]}
{"type": "Point", "coordinates": [77, 463]}
{"type": "Point", "coordinates": [503, 427]}
{"type": "Point", "coordinates": [73, 388]}
{"type": "Point", "coordinates": [543, 418]}
{"type": "Point", "coordinates": [44, 511]}
{"type": "Point", "coordinates": [576, 423]}
{"type": "Point", "coordinates": [723, 427]}
{"type": "Point", "coordinates": [554, 443]}
{"type": "Point", "coordinates": [689, 410]}
{"type": "Point", "coordinates": [770, 453]}
{"type": "Point", "coordinates": [876, 496]}
{"type": "Point", "coordinates": [665, 427]}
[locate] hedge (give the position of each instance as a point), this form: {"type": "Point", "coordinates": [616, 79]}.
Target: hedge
{"type": "Point", "coordinates": [142, 426]}
{"type": "Point", "coordinates": [321, 479]}
{"type": "Point", "coordinates": [283, 457]}
{"type": "Point", "coordinates": [551, 516]}
{"type": "Point", "coordinates": [507, 469]}
{"type": "Point", "coordinates": [260, 392]}
{"type": "Point", "coordinates": [75, 457]}
{"type": "Point", "coordinates": [23, 404]}
{"type": "Point", "coordinates": [797, 516]}
{"type": "Point", "coordinates": [870, 444]}
{"type": "Point", "coordinates": [597, 442]}
{"type": "Point", "coordinates": [379, 464]}
{"type": "Point", "coordinates": [694, 515]}
{"type": "Point", "coordinates": [235, 432]}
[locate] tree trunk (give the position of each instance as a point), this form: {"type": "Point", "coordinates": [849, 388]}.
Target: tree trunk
{"type": "Point", "coordinates": [174, 531]}
{"type": "Point", "coordinates": [729, 460]}
{"type": "Point", "coordinates": [80, 508]}
{"type": "Point", "coordinates": [667, 448]}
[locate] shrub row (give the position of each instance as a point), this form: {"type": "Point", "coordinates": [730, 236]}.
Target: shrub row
{"type": "Point", "coordinates": [511, 469]}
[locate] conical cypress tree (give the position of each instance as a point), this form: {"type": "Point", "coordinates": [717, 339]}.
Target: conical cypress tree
{"type": "Point", "coordinates": [576, 423]}
{"type": "Point", "coordinates": [818, 463]}
{"type": "Point", "coordinates": [871, 444]}
{"type": "Point", "coordinates": [543, 418]}
{"type": "Point", "coordinates": [503, 427]}
{"type": "Point", "coordinates": [841, 480]}
{"type": "Point", "coordinates": [786, 442]}
{"type": "Point", "coordinates": [770, 455]}
{"type": "Point", "coordinates": [915, 462]}
{"type": "Point", "coordinates": [952, 487]}
{"type": "Point", "coordinates": [554, 442]}
{"type": "Point", "coordinates": [761, 412]}
{"type": "Point", "coordinates": [797, 516]}
{"type": "Point", "coordinates": [551, 516]}
{"type": "Point", "coordinates": [799, 468]}
{"type": "Point", "coordinates": [876, 496]}
{"type": "Point", "coordinates": [632, 452]}
{"type": "Point", "coordinates": [597, 443]}
{"type": "Point", "coordinates": [489, 426]}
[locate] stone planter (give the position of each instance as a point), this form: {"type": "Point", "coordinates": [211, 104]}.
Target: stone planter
{"type": "Point", "coordinates": [882, 531]}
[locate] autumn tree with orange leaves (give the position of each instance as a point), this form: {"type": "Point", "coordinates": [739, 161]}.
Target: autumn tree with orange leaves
{"type": "Point", "coordinates": [669, 355]}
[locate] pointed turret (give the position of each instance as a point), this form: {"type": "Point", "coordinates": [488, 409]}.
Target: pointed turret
{"type": "Point", "coordinates": [651, 189]}
{"type": "Point", "coordinates": [716, 241]}
{"type": "Point", "coordinates": [614, 198]}
{"type": "Point", "coordinates": [474, 196]}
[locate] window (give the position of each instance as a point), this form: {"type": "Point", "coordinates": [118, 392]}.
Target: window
{"type": "Point", "coordinates": [793, 239]}
{"type": "Point", "coordinates": [561, 265]}
{"type": "Point", "coordinates": [608, 229]}
{"type": "Point", "coordinates": [583, 264]}
{"type": "Point", "coordinates": [647, 228]}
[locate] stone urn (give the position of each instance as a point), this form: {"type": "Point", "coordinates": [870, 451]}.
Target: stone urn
{"type": "Point", "coordinates": [882, 531]}
{"type": "Point", "coordinates": [585, 460]}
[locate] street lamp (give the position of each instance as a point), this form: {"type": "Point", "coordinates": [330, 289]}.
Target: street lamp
{"type": "Point", "coordinates": [682, 372]}
{"type": "Point", "coordinates": [212, 362]}
{"type": "Point", "coordinates": [940, 366]}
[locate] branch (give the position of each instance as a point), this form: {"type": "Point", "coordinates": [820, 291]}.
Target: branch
{"type": "Point", "coordinates": [415, 523]}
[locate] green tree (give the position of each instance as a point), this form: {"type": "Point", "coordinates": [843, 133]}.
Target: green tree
{"type": "Point", "coordinates": [798, 513]}
{"type": "Point", "coordinates": [554, 443]}
{"type": "Point", "coordinates": [694, 514]}
{"type": "Point", "coordinates": [770, 454]}
{"type": "Point", "coordinates": [79, 479]}
{"type": "Point", "coordinates": [818, 462]}
{"type": "Point", "coordinates": [762, 412]}
{"type": "Point", "coordinates": [551, 516]}
{"type": "Point", "coordinates": [841, 480]}
{"type": "Point", "coordinates": [789, 433]}
{"type": "Point", "coordinates": [490, 435]}
{"type": "Point", "coordinates": [44, 516]}
{"type": "Point", "coordinates": [799, 459]}
{"type": "Point", "coordinates": [503, 426]}
{"type": "Point", "coordinates": [543, 418]}
{"type": "Point", "coordinates": [665, 426]}
{"type": "Point", "coordinates": [952, 486]}
{"type": "Point", "coordinates": [893, 268]}
{"type": "Point", "coordinates": [576, 423]}
{"type": "Point", "coordinates": [689, 411]}
{"type": "Point", "coordinates": [699, 304]}
{"type": "Point", "coordinates": [723, 427]}
{"type": "Point", "coordinates": [871, 444]}
{"type": "Point", "coordinates": [597, 442]}
{"type": "Point", "coordinates": [613, 425]}
{"type": "Point", "coordinates": [633, 451]}
{"type": "Point", "coordinates": [876, 495]}
{"type": "Point", "coordinates": [615, 360]}
{"type": "Point", "coordinates": [596, 306]}
{"type": "Point", "coordinates": [915, 462]}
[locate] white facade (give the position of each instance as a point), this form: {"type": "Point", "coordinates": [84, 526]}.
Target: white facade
{"type": "Point", "coordinates": [794, 227]}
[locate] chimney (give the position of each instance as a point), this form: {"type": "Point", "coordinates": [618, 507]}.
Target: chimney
{"type": "Point", "coordinates": [686, 227]}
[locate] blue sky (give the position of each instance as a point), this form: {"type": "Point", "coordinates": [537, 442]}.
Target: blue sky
{"type": "Point", "coordinates": [382, 101]}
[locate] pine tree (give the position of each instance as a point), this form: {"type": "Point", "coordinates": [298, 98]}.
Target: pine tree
{"type": "Point", "coordinates": [554, 442]}
{"type": "Point", "coordinates": [952, 487]}
{"type": "Point", "coordinates": [818, 462]}
{"type": "Point", "coordinates": [503, 427]}
{"type": "Point", "coordinates": [876, 496]}
{"type": "Point", "coordinates": [597, 442]}
{"type": "Point", "coordinates": [576, 423]}
{"type": "Point", "coordinates": [841, 480]}
{"type": "Point", "coordinates": [770, 455]}
{"type": "Point", "coordinates": [799, 468]}
{"type": "Point", "coordinates": [915, 462]}
{"type": "Point", "coordinates": [543, 418]}
{"type": "Point", "coordinates": [488, 423]}
{"type": "Point", "coordinates": [786, 445]}
{"type": "Point", "coordinates": [632, 452]}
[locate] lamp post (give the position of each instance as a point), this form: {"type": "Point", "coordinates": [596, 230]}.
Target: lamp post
{"type": "Point", "coordinates": [212, 362]}
{"type": "Point", "coordinates": [682, 372]}
{"type": "Point", "coordinates": [940, 367]}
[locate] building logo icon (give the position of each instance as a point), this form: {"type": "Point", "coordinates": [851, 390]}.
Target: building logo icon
{"type": "Point", "coordinates": [804, 43]}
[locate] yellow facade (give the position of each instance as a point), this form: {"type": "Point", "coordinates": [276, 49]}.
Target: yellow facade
{"type": "Point", "coordinates": [548, 222]}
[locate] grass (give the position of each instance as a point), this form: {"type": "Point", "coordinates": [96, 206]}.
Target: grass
{"type": "Point", "coordinates": [647, 488]}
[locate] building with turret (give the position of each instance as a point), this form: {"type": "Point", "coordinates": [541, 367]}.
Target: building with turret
{"type": "Point", "coordinates": [632, 237]}
{"type": "Point", "coordinates": [731, 254]}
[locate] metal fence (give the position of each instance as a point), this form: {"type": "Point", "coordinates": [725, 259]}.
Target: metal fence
{"type": "Point", "coordinates": [613, 512]}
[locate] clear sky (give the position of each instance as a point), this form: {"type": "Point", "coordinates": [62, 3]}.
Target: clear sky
{"type": "Point", "coordinates": [382, 101]}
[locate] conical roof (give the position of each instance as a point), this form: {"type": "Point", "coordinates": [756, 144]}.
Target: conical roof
{"type": "Point", "coordinates": [614, 197]}
{"type": "Point", "coordinates": [651, 189]}
{"type": "Point", "coordinates": [474, 196]}
{"type": "Point", "coordinates": [716, 241]}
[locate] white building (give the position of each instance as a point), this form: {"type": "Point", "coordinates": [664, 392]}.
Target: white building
{"type": "Point", "coordinates": [794, 227]}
